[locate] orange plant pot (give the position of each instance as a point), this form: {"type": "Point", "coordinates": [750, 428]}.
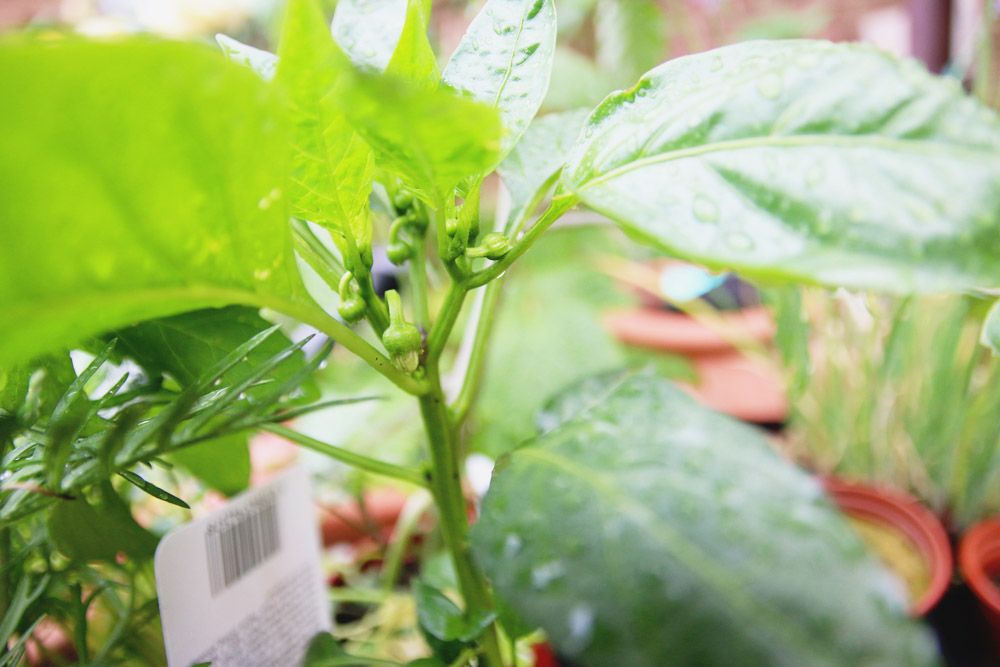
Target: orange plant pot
{"type": "Point", "coordinates": [979, 563]}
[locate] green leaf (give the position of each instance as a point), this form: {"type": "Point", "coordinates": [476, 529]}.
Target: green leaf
{"type": "Point", "coordinates": [369, 30]}
{"type": "Point", "coordinates": [504, 61]}
{"type": "Point", "coordinates": [332, 167]}
{"type": "Point", "coordinates": [530, 169]}
{"type": "Point", "coordinates": [163, 197]}
{"type": "Point", "coordinates": [630, 38]}
{"type": "Point", "coordinates": [647, 530]}
{"type": "Point", "coordinates": [431, 139]}
{"type": "Point", "coordinates": [83, 532]}
{"type": "Point", "coordinates": [324, 651]}
{"type": "Point", "coordinates": [414, 58]}
{"type": "Point", "coordinates": [263, 62]}
{"type": "Point", "coordinates": [763, 157]}
{"type": "Point", "coordinates": [222, 463]}
{"type": "Point", "coordinates": [442, 619]}
{"type": "Point", "coordinates": [990, 335]}
{"type": "Point", "coordinates": [148, 487]}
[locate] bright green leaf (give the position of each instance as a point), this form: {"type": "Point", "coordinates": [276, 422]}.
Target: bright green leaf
{"type": "Point", "coordinates": [368, 30]}
{"type": "Point", "coordinates": [766, 157]}
{"type": "Point", "coordinates": [332, 168]}
{"type": "Point", "coordinates": [504, 61]}
{"type": "Point", "coordinates": [647, 530]}
{"type": "Point", "coordinates": [260, 61]}
{"type": "Point", "coordinates": [222, 463]}
{"type": "Point", "coordinates": [630, 38]}
{"type": "Point", "coordinates": [162, 197]}
{"type": "Point", "coordinates": [432, 139]}
{"type": "Point", "coordinates": [414, 58]}
{"type": "Point", "coordinates": [529, 170]}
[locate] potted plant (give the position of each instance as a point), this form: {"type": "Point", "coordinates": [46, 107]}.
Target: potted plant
{"type": "Point", "coordinates": [634, 504]}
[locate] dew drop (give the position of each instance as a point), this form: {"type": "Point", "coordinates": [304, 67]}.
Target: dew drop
{"type": "Point", "coordinates": [543, 575]}
{"type": "Point", "coordinates": [769, 85]}
{"type": "Point", "coordinates": [716, 64]}
{"type": "Point", "coordinates": [262, 274]}
{"type": "Point", "coordinates": [512, 545]}
{"type": "Point", "coordinates": [475, 45]}
{"type": "Point", "coordinates": [580, 624]}
{"type": "Point", "coordinates": [705, 209]}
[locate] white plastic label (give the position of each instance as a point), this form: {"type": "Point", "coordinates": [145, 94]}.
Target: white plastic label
{"type": "Point", "coordinates": [243, 587]}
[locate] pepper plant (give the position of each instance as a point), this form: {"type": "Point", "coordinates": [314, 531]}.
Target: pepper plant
{"type": "Point", "coordinates": [143, 180]}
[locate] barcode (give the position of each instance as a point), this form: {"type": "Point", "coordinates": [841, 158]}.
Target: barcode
{"type": "Point", "coordinates": [240, 542]}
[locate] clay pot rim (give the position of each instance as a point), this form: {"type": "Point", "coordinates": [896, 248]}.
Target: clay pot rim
{"type": "Point", "coordinates": [907, 514]}
{"type": "Point", "coordinates": [680, 333]}
{"type": "Point", "coordinates": [980, 546]}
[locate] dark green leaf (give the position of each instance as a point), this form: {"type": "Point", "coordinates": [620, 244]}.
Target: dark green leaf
{"type": "Point", "coordinates": [764, 157]}
{"type": "Point", "coordinates": [504, 61]}
{"type": "Point", "coordinates": [531, 167]}
{"type": "Point", "coordinates": [430, 139]}
{"type": "Point", "coordinates": [332, 167]}
{"type": "Point", "coordinates": [83, 532]}
{"type": "Point", "coordinates": [324, 651]}
{"type": "Point", "coordinates": [163, 197]}
{"type": "Point", "coordinates": [647, 530]}
{"type": "Point", "coordinates": [260, 61]}
{"type": "Point", "coordinates": [630, 38]}
{"type": "Point", "coordinates": [442, 619]}
{"type": "Point", "coordinates": [153, 490]}
{"type": "Point", "coordinates": [222, 463]}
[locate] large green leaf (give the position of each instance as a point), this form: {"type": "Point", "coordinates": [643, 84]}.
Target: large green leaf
{"type": "Point", "coordinates": [368, 30]}
{"type": "Point", "coordinates": [647, 530]}
{"type": "Point", "coordinates": [222, 463]}
{"type": "Point", "coordinates": [829, 163]}
{"type": "Point", "coordinates": [332, 167]}
{"type": "Point", "coordinates": [432, 139]}
{"type": "Point", "coordinates": [165, 196]}
{"type": "Point", "coordinates": [87, 532]}
{"type": "Point", "coordinates": [530, 169]}
{"type": "Point", "coordinates": [504, 61]}
{"type": "Point", "coordinates": [414, 58]}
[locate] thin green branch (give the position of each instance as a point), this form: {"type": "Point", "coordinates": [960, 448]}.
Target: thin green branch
{"type": "Point", "coordinates": [418, 282]}
{"type": "Point", "coordinates": [559, 205]}
{"type": "Point", "coordinates": [316, 254]}
{"type": "Point", "coordinates": [350, 458]}
{"type": "Point", "coordinates": [445, 322]}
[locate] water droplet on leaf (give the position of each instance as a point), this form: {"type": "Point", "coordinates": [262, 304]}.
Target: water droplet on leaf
{"type": "Point", "coordinates": [705, 209]}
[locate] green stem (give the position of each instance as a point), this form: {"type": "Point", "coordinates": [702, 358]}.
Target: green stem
{"type": "Point", "coordinates": [446, 486]}
{"type": "Point", "coordinates": [559, 205]}
{"type": "Point", "coordinates": [477, 357]}
{"type": "Point", "coordinates": [80, 623]}
{"type": "Point", "coordinates": [346, 456]}
{"type": "Point", "coordinates": [359, 346]}
{"type": "Point", "coordinates": [418, 282]}
{"type": "Point", "coordinates": [450, 309]}
{"type": "Point", "coordinates": [316, 254]}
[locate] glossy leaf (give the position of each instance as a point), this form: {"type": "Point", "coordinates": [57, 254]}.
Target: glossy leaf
{"type": "Point", "coordinates": [431, 139]}
{"type": "Point", "coordinates": [630, 38]}
{"type": "Point", "coordinates": [647, 530]}
{"type": "Point", "coordinates": [990, 335]}
{"type": "Point", "coordinates": [222, 463]}
{"type": "Point", "coordinates": [504, 61]}
{"type": "Point", "coordinates": [263, 62]}
{"type": "Point", "coordinates": [332, 167]}
{"type": "Point", "coordinates": [413, 58]}
{"type": "Point", "coordinates": [164, 197]}
{"type": "Point", "coordinates": [368, 30]}
{"type": "Point", "coordinates": [765, 157]}
{"type": "Point", "coordinates": [529, 170]}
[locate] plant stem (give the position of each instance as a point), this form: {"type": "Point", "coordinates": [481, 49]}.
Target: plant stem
{"type": "Point", "coordinates": [346, 456]}
{"type": "Point", "coordinates": [477, 358]}
{"type": "Point", "coordinates": [559, 205]}
{"type": "Point", "coordinates": [315, 317]}
{"type": "Point", "coordinates": [418, 282]}
{"type": "Point", "coordinates": [452, 306]}
{"type": "Point", "coordinates": [316, 255]}
{"type": "Point", "coordinates": [80, 623]}
{"type": "Point", "coordinates": [446, 486]}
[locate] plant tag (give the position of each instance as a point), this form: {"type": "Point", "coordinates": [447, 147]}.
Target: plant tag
{"type": "Point", "coordinates": [243, 586]}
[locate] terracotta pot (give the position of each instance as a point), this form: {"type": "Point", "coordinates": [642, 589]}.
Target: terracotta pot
{"type": "Point", "coordinates": [675, 332]}
{"type": "Point", "coordinates": [346, 523]}
{"type": "Point", "coordinates": [907, 515]}
{"type": "Point", "coordinates": [979, 563]}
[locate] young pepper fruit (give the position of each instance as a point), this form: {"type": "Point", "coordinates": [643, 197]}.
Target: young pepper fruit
{"type": "Point", "coordinates": [351, 307]}
{"type": "Point", "coordinates": [402, 340]}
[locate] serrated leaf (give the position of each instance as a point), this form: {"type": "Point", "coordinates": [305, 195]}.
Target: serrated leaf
{"type": "Point", "coordinates": [504, 61]}
{"type": "Point", "coordinates": [528, 171]}
{"type": "Point", "coordinates": [990, 335]}
{"type": "Point", "coordinates": [647, 530]}
{"type": "Point", "coordinates": [332, 167]}
{"type": "Point", "coordinates": [630, 38]}
{"type": "Point", "coordinates": [263, 62]}
{"type": "Point", "coordinates": [368, 30]}
{"type": "Point", "coordinates": [164, 197]}
{"type": "Point", "coordinates": [413, 59]}
{"type": "Point", "coordinates": [431, 139]}
{"type": "Point", "coordinates": [764, 157]}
